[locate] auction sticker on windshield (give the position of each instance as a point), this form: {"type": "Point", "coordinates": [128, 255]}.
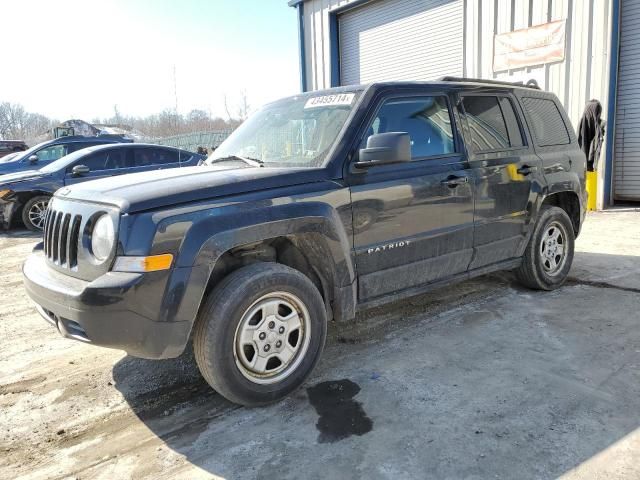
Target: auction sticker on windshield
{"type": "Point", "coordinates": [330, 100]}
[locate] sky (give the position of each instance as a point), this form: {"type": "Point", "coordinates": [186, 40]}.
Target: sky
{"type": "Point", "coordinates": [80, 58]}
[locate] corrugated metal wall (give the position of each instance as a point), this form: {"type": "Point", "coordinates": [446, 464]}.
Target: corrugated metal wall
{"type": "Point", "coordinates": [582, 75]}
{"type": "Point", "coordinates": [626, 167]}
{"type": "Point", "coordinates": [317, 43]}
{"type": "Point", "coordinates": [386, 40]}
{"type": "Point", "coordinates": [584, 72]}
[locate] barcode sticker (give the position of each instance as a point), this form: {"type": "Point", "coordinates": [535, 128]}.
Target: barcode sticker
{"type": "Point", "coordinates": [330, 100]}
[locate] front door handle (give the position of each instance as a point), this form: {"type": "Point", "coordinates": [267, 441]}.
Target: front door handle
{"type": "Point", "coordinates": [526, 170]}
{"type": "Point", "coordinates": [453, 181]}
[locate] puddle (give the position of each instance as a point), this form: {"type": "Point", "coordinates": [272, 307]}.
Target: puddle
{"type": "Point", "coordinates": [340, 415]}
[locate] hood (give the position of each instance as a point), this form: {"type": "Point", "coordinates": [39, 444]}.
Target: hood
{"type": "Point", "coordinates": [10, 166]}
{"type": "Point", "coordinates": [160, 188]}
{"type": "Point", "coordinates": [19, 176]}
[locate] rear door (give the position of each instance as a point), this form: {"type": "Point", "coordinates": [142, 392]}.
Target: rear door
{"type": "Point", "coordinates": [412, 221]}
{"type": "Point", "coordinates": [156, 158]}
{"type": "Point", "coordinates": [507, 175]}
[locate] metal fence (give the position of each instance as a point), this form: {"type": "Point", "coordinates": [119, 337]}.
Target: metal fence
{"type": "Point", "coordinates": [191, 141]}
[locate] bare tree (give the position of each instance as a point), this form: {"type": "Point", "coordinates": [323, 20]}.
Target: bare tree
{"type": "Point", "coordinates": [242, 108]}
{"type": "Point", "coordinates": [17, 123]}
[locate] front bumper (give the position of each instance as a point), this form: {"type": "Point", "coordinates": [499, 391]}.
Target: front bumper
{"type": "Point", "coordinates": [102, 312]}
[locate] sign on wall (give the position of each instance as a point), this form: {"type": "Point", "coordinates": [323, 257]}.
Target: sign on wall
{"type": "Point", "coordinates": [530, 46]}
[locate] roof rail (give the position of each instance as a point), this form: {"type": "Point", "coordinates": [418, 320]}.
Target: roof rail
{"type": "Point", "coordinates": [532, 83]}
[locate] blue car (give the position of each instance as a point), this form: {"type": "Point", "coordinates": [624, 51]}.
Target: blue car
{"type": "Point", "coordinates": [26, 195]}
{"type": "Point", "coordinates": [47, 152]}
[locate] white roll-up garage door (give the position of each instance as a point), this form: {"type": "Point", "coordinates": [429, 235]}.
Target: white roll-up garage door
{"type": "Point", "coordinates": [627, 149]}
{"type": "Point", "coordinates": [401, 40]}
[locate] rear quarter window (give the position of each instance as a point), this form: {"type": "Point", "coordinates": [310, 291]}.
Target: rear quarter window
{"type": "Point", "coordinates": [547, 124]}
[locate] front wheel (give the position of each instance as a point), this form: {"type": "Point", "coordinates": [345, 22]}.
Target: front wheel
{"type": "Point", "coordinates": [33, 212]}
{"type": "Point", "coordinates": [549, 254]}
{"type": "Point", "coordinates": [260, 333]}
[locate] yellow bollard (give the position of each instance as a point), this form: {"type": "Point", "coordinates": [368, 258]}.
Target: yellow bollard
{"type": "Point", "coordinates": [592, 190]}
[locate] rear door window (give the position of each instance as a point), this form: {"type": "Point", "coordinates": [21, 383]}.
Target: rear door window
{"type": "Point", "coordinates": [493, 123]}
{"type": "Point", "coordinates": [547, 123]}
{"type": "Point", "coordinates": [145, 157]}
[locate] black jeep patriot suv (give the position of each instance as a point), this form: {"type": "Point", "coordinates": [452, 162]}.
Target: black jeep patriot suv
{"type": "Point", "coordinates": [318, 206]}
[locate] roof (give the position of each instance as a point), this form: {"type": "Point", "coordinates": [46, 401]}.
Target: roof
{"type": "Point", "coordinates": [531, 83]}
{"type": "Point", "coordinates": [447, 81]}
{"type": "Point", "coordinates": [82, 138]}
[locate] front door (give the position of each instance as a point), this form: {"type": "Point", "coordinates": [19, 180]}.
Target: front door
{"type": "Point", "coordinates": [103, 163]}
{"type": "Point", "coordinates": [47, 155]}
{"type": "Point", "coordinates": [507, 176]}
{"type": "Point", "coordinates": [413, 221]}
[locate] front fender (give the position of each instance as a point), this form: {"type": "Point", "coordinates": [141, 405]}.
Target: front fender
{"type": "Point", "coordinates": [210, 239]}
{"type": "Point", "coordinates": [223, 234]}
{"type": "Point", "coordinates": [198, 237]}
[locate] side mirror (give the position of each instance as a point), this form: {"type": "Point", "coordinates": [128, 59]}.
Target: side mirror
{"type": "Point", "coordinates": [33, 158]}
{"type": "Point", "coordinates": [80, 170]}
{"type": "Point", "coordinates": [385, 148]}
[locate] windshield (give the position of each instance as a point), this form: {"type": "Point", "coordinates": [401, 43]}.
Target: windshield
{"type": "Point", "coordinates": [296, 132]}
{"type": "Point", "coordinates": [29, 152]}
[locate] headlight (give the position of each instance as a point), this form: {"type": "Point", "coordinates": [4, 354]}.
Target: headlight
{"type": "Point", "coordinates": [5, 193]}
{"type": "Point", "coordinates": [103, 238]}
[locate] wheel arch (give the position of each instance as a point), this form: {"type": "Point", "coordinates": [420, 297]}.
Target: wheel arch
{"type": "Point", "coordinates": [569, 201]}
{"type": "Point", "coordinates": [315, 244]}
{"type": "Point", "coordinates": [307, 253]}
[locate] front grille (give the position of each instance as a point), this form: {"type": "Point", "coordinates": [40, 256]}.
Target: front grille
{"type": "Point", "coordinates": [61, 238]}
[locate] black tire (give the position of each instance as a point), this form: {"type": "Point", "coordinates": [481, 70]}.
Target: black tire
{"type": "Point", "coordinates": [219, 322]}
{"type": "Point", "coordinates": [533, 273]}
{"type": "Point", "coordinates": [28, 212]}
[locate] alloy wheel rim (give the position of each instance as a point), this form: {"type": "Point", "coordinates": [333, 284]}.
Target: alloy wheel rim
{"type": "Point", "coordinates": [553, 248]}
{"type": "Point", "coordinates": [272, 338]}
{"type": "Point", "coordinates": [37, 213]}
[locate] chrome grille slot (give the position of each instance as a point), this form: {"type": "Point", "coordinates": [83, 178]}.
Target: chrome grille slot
{"type": "Point", "coordinates": [61, 238]}
{"type": "Point", "coordinates": [45, 235]}
{"type": "Point", "coordinates": [74, 238]}
{"type": "Point", "coordinates": [64, 239]}
{"type": "Point", "coordinates": [49, 238]}
{"type": "Point", "coordinates": [55, 234]}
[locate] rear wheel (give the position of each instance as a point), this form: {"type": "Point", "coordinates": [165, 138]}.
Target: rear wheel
{"type": "Point", "coordinates": [260, 333]}
{"type": "Point", "coordinates": [549, 254]}
{"type": "Point", "coordinates": [33, 212]}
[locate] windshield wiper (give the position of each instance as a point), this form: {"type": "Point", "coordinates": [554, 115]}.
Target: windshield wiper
{"type": "Point", "coordinates": [254, 162]}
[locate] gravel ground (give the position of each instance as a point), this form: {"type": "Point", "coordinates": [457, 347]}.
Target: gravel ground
{"type": "Point", "coordinates": [481, 380]}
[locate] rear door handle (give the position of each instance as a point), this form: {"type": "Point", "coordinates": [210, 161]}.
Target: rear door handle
{"type": "Point", "coordinates": [452, 181]}
{"type": "Point", "coordinates": [526, 170]}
